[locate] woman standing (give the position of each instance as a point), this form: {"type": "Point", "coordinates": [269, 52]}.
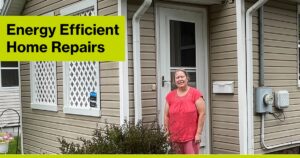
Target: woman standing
{"type": "Point", "coordinates": [184, 115]}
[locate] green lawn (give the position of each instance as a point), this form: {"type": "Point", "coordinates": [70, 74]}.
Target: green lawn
{"type": "Point", "coordinates": [13, 145]}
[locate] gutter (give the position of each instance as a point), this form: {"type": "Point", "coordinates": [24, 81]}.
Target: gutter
{"type": "Point", "coordinates": [249, 74]}
{"type": "Point", "coordinates": [137, 59]}
{"type": "Point", "coordinates": [242, 84]}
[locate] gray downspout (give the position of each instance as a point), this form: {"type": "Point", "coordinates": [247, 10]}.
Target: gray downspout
{"type": "Point", "coordinates": [261, 48]}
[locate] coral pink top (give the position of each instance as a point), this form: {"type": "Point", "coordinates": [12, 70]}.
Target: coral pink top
{"type": "Point", "coordinates": [183, 115]}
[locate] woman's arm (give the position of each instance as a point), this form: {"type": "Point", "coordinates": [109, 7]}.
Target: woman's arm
{"type": "Point", "coordinates": [201, 111]}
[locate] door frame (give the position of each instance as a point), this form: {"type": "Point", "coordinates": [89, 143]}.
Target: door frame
{"type": "Point", "coordinates": [204, 37]}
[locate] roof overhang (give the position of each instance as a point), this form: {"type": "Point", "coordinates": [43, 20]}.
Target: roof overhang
{"type": "Point", "coordinates": [202, 2]}
{"type": "Point", "coordinates": [12, 7]}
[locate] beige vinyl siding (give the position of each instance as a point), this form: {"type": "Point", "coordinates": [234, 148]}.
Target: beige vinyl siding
{"type": "Point", "coordinates": [223, 67]}
{"type": "Point", "coordinates": [42, 128]}
{"type": "Point", "coordinates": [9, 98]}
{"type": "Point", "coordinates": [280, 71]}
{"type": "Point", "coordinates": [148, 64]}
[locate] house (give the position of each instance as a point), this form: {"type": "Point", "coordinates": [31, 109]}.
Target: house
{"type": "Point", "coordinates": [9, 97]}
{"type": "Point", "coordinates": [214, 40]}
{"type": "Point", "coordinates": [9, 94]}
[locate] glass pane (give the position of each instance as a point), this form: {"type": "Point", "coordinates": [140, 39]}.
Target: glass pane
{"type": "Point", "coordinates": [182, 44]}
{"type": "Point", "coordinates": [9, 78]}
{"type": "Point", "coordinates": [191, 83]}
{"type": "Point", "coordinates": [9, 64]}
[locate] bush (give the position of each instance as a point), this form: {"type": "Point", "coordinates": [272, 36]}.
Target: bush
{"type": "Point", "coordinates": [126, 139]}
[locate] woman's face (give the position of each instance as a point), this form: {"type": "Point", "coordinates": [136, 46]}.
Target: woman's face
{"type": "Point", "coordinates": [181, 79]}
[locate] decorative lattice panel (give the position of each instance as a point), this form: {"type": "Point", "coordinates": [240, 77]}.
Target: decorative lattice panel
{"type": "Point", "coordinates": [44, 86]}
{"type": "Point", "coordinates": [83, 79]}
{"type": "Point", "coordinates": [88, 12]}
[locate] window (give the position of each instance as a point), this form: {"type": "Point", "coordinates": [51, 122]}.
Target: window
{"type": "Point", "coordinates": [9, 74]}
{"type": "Point", "coordinates": [43, 86]}
{"type": "Point", "coordinates": [81, 79]}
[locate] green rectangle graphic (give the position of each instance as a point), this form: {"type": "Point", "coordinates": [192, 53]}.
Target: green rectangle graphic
{"type": "Point", "coordinates": [62, 38]}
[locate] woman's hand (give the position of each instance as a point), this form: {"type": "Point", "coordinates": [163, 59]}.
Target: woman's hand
{"type": "Point", "coordinates": [167, 135]}
{"type": "Point", "coordinates": [198, 138]}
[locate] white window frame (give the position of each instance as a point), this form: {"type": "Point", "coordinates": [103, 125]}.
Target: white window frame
{"type": "Point", "coordinates": [298, 44]}
{"type": "Point", "coordinates": [41, 106]}
{"type": "Point", "coordinates": [44, 106]}
{"type": "Point", "coordinates": [82, 5]}
{"type": "Point", "coordinates": [9, 68]}
{"type": "Point", "coordinates": [96, 112]}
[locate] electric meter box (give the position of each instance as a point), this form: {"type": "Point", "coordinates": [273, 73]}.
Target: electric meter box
{"type": "Point", "coordinates": [282, 99]}
{"type": "Point", "coordinates": [223, 87]}
{"type": "Point", "coordinates": [264, 99]}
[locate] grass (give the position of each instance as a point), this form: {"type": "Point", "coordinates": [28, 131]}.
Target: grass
{"type": "Point", "coordinates": [13, 146]}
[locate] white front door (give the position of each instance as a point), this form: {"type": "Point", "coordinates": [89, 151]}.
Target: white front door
{"type": "Point", "coordinates": [182, 44]}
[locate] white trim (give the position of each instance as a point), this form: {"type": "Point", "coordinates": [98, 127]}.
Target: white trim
{"type": "Point", "coordinates": [65, 84]}
{"type": "Point", "coordinates": [241, 58]}
{"type": "Point", "coordinates": [79, 111]}
{"type": "Point", "coordinates": [48, 107]}
{"type": "Point", "coordinates": [11, 88]}
{"type": "Point", "coordinates": [79, 6]}
{"type": "Point", "coordinates": [41, 106]}
{"type": "Point", "coordinates": [9, 68]}
{"type": "Point", "coordinates": [123, 69]}
{"type": "Point", "coordinates": [204, 48]}
{"type": "Point", "coordinates": [206, 85]}
{"type": "Point", "coordinates": [49, 14]}
{"type": "Point", "coordinates": [87, 112]}
{"type": "Point", "coordinates": [201, 2]}
{"type": "Point", "coordinates": [158, 65]}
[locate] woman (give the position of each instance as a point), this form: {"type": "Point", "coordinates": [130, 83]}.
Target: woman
{"type": "Point", "coordinates": [184, 115]}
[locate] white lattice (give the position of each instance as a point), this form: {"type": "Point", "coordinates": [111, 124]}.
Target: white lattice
{"type": "Point", "coordinates": [83, 79]}
{"type": "Point", "coordinates": [90, 12]}
{"type": "Point", "coordinates": [44, 83]}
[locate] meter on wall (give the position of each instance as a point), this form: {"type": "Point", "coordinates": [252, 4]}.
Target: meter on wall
{"type": "Point", "coordinates": [264, 99]}
{"type": "Point", "coordinates": [93, 99]}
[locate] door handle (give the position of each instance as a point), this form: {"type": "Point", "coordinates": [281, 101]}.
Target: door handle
{"type": "Point", "coordinates": [163, 81]}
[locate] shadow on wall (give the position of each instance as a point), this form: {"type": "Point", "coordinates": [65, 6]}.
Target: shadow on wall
{"type": "Point", "coordinates": [294, 150]}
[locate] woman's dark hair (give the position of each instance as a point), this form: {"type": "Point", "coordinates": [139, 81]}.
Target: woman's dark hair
{"type": "Point", "coordinates": [185, 73]}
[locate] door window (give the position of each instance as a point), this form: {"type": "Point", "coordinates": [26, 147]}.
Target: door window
{"type": "Point", "coordinates": [182, 50]}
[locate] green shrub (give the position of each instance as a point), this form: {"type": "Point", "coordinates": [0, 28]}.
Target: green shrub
{"type": "Point", "coordinates": [126, 139]}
